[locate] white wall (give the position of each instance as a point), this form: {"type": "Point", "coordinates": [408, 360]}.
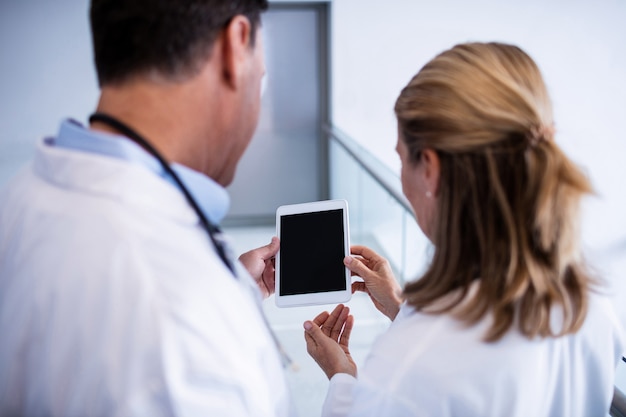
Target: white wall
{"type": "Point", "coordinates": [46, 73]}
{"type": "Point", "coordinates": [580, 46]}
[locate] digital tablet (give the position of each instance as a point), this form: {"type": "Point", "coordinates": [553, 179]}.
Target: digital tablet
{"type": "Point", "coordinates": [314, 240]}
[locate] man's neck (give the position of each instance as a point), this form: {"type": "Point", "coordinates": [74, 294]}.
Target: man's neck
{"type": "Point", "coordinates": [168, 116]}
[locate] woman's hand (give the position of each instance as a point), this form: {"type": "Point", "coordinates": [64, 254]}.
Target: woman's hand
{"type": "Point", "coordinates": [378, 280]}
{"type": "Point", "coordinates": [327, 338]}
{"type": "Point", "coordinates": [260, 264]}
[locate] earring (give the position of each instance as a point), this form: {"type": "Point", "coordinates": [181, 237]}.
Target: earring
{"type": "Point", "coordinates": [429, 194]}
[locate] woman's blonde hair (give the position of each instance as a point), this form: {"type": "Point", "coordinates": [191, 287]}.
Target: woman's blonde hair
{"type": "Point", "coordinates": [508, 197]}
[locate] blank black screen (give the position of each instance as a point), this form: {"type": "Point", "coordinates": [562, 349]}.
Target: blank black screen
{"type": "Point", "coordinates": [312, 252]}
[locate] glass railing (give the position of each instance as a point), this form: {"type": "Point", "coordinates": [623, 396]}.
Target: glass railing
{"type": "Point", "coordinates": [380, 216]}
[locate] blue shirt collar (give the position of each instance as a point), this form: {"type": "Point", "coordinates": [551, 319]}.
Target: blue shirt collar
{"type": "Point", "coordinates": [210, 196]}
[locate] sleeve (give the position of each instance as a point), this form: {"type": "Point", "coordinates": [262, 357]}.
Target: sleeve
{"type": "Point", "coordinates": [339, 397]}
{"type": "Point", "coordinates": [350, 397]}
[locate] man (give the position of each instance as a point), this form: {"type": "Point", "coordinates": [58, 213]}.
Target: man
{"type": "Point", "coordinates": [117, 294]}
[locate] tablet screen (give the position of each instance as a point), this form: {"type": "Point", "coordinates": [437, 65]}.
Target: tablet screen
{"type": "Point", "coordinates": [312, 252]}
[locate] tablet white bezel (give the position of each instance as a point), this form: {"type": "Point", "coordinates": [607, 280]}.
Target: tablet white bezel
{"type": "Point", "coordinates": [329, 297]}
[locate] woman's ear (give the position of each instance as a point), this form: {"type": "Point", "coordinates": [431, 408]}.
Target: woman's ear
{"type": "Point", "coordinates": [431, 169]}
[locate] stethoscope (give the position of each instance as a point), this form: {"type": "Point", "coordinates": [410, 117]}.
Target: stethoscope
{"type": "Point", "coordinates": [212, 230]}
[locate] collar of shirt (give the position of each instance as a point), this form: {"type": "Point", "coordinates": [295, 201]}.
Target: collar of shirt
{"type": "Point", "coordinates": [210, 196]}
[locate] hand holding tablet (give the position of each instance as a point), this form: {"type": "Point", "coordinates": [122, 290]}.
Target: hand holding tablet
{"type": "Point", "coordinates": [314, 240]}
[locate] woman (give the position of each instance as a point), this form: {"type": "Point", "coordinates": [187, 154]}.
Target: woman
{"type": "Point", "coordinates": [506, 320]}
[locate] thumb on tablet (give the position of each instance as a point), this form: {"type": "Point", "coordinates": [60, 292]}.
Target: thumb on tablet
{"type": "Point", "coordinates": [271, 249]}
{"type": "Point", "coordinates": [357, 267]}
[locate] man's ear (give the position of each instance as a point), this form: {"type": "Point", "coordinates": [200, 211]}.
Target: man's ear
{"type": "Point", "coordinates": [432, 169]}
{"type": "Point", "coordinates": [235, 45]}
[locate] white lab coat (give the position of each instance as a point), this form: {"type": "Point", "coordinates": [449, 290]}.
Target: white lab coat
{"type": "Point", "coordinates": [432, 365]}
{"type": "Point", "coordinates": [113, 301]}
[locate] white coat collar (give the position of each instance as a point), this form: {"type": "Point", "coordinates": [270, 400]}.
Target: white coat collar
{"type": "Point", "coordinates": [210, 196]}
{"type": "Point", "coordinates": [111, 178]}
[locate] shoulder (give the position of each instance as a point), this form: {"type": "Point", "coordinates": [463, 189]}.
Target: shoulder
{"type": "Point", "coordinates": [425, 356]}
{"type": "Point", "coordinates": [419, 346]}
{"type": "Point", "coordinates": [415, 367]}
{"type": "Point", "coordinates": [17, 186]}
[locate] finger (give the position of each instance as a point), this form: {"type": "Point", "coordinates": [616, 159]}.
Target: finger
{"type": "Point", "coordinates": [367, 262]}
{"type": "Point", "coordinates": [359, 286]}
{"type": "Point", "coordinates": [321, 318]}
{"type": "Point", "coordinates": [311, 343]}
{"type": "Point", "coordinates": [269, 275]}
{"type": "Point", "coordinates": [270, 266]}
{"type": "Point", "coordinates": [364, 251]}
{"type": "Point", "coordinates": [269, 282]}
{"type": "Point", "coordinates": [308, 338]}
{"type": "Point", "coordinates": [270, 250]}
{"type": "Point", "coordinates": [338, 326]}
{"type": "Point", "coordinates": [313, 334]}
{"type": "Point", "coordinates": [331, 320]}
{"type": "Point", "coordinates": [347, 330]}
{"type": "Point", "coordinates": [355, 265]}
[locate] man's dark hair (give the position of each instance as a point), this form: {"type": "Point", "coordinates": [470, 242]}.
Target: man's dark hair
{"type": "Point", "coordinates": [171, 37]}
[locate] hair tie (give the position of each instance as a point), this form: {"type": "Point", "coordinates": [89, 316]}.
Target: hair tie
{"type": "Point", "coordinates": [539, 133]}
